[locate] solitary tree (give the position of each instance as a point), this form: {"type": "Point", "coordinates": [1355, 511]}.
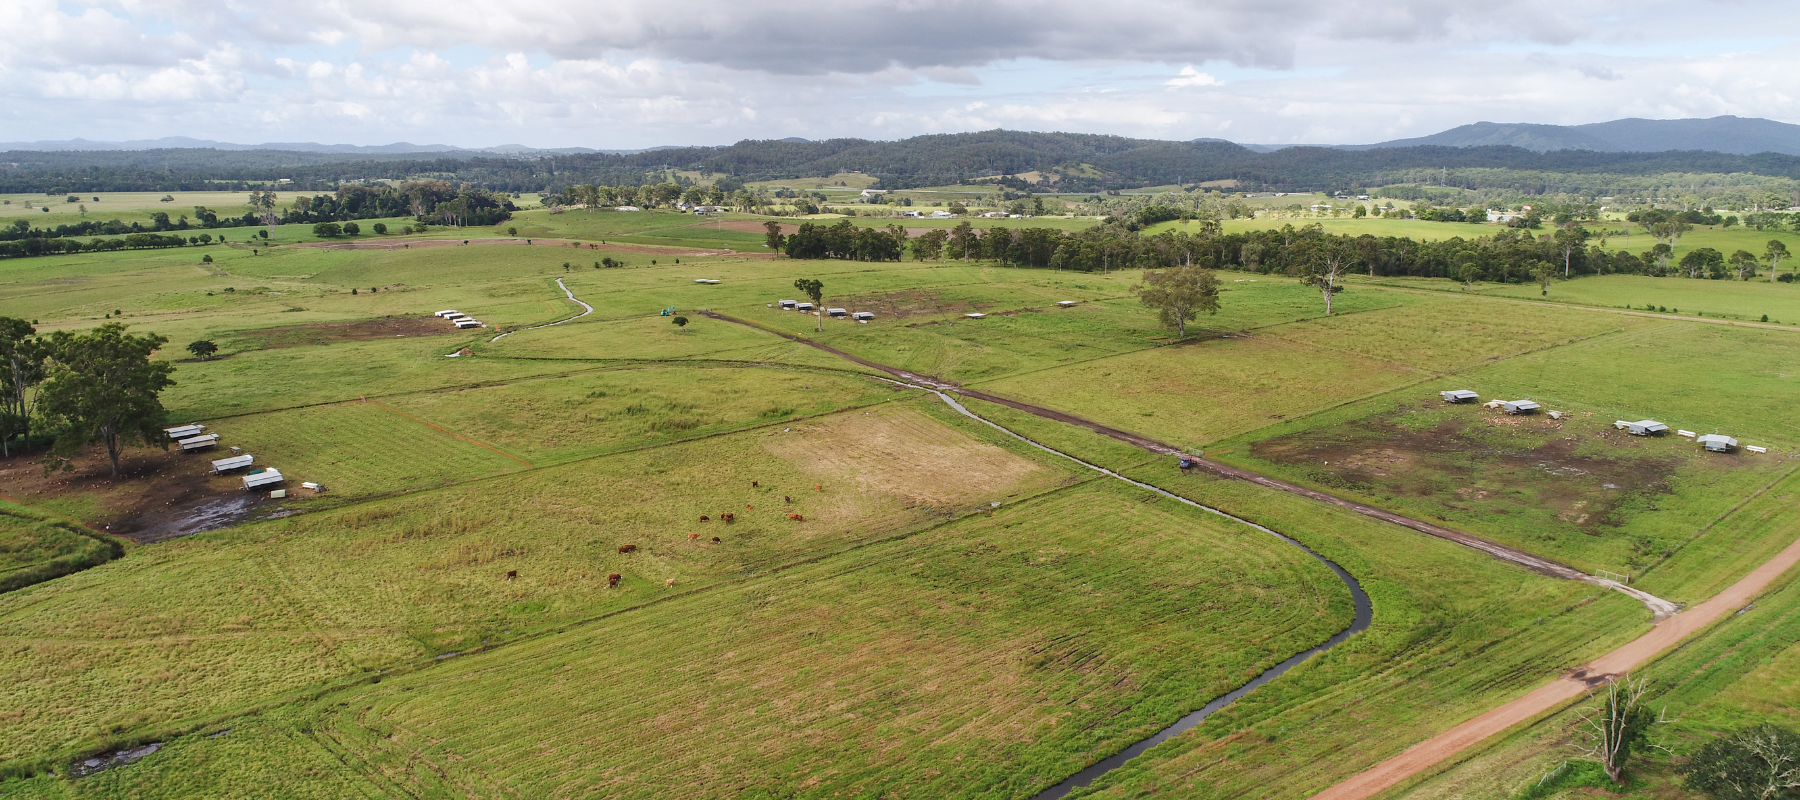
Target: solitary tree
{"type": "Point", "coordinates": [202, 349]}
{"type": "Point", "coordinates": [1324, 267]}
{"type": "Point", "coordinates": [1543, 272]}
{"type": "Point", "coordinates": [680, 322]}
{"type": "Point", "coordinates": [102, 387]}
{"type": "Point", "coordinates": [263, 203]}
{"type": "Point", "coordinates": [24, 364]}
{"type": "Point", "coordinates": [1619, 724]}
{"type": "Point", "coordinates": [815, 290]}
{"type": "Point", "coordinates": [1179, 294]}
{"type": "Point", "coordinates": [772, 236]}
{"type": "Point", "coordinates": [1761, 763]}
{"type": "Point", "coordinates": [1775, 252]}
{"type": "Point", "coordinates": [1744, 263]}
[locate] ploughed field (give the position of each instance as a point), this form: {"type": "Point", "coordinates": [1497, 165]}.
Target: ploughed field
{"type": "Point", "coordinates": [828, 584]}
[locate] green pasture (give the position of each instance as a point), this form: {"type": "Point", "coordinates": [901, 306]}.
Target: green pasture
{"type": "Point", "coordinates": [217, 623]}
{"type": "Point", "coordinates": [1746, 301]}
{"type": "Point", "coordinates": [123, 206]}
{"type": "Point", "coordinates": [990, 656]}
{"type": "Point", "coordinates": [36, 548]}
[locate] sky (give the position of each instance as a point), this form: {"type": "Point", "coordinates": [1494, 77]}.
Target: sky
{"type": "Point", "coordinates": [641, 73]}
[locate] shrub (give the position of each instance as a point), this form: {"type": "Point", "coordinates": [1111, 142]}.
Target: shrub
{"type": "Point", "coordinates": [380, 228]}
{"type": "Point", "coordinates": [352, 229]}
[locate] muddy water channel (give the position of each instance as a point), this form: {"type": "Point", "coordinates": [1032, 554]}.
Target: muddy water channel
{"type": "Point", "coordinates": [1364, 615]}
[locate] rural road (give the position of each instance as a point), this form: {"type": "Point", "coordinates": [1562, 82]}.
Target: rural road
{"type": "Point", "coordinates": [1553, 695]}
{"type": "Point", "coordinates": [1659, 608]}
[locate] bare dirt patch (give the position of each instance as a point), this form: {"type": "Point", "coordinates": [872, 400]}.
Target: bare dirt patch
{"type": "Point", "coordinates": [903, 453]}
{"type": "Point", "coordinates": [158, 494]}
{"type": "Point", "coordinates": [336, 332]}
{"type": "Point", "coordinates": [911, 304]}
{"type": "Point", "coordinates": [1463, 465]}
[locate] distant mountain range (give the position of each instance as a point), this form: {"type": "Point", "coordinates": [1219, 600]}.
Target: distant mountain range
{"type": "Point", "coordinates": [1727, 134]}
{"type": "Point", "coordinates": [397, 148]}
{"type": "Point", "coordinates": [1733, 135]}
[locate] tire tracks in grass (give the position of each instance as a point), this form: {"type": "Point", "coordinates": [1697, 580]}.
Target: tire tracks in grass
{"type": "Point", "coordinates": [1660, 608]}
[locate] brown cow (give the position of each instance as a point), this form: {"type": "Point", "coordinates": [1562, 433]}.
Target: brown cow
{"type": "Point", "coordinates": [693, 536]}
{"type": "Point", "coordinates": [787, 498]}
{"type": "Point", "coordinates": [510, 574]}
{"type": "Point", "coordinates": [669, 582]}
{"type": "Point", "coordinates": [613, 580]}
{"type": "Point", "coordinates": [715, 540]}
{"type": "Point", "coordinates": [626, 548]}
{"type": "Point", "coordinates": [703, 518]}
{"type": "Point", "coordinates": [753, 483]}
{"type": "Point", "coordinates": [796, 517]}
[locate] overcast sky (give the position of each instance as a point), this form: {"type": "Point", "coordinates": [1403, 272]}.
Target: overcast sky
{"type": "Point", "coordinates": [638, 73]}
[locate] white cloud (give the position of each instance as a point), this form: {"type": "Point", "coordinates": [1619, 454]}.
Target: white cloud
{"type": "Point", "coordinates": [637, 73]}
{"type": "Point", "coordinates": [1192, 77]}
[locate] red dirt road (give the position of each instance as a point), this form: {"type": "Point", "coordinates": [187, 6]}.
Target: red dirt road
{"type": "Point", "coordinates": [1554, 695]}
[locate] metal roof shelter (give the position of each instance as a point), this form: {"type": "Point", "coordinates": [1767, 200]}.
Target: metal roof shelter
{"type": "Point", "coordinates": [185, 431]}
{"type": "Point", "coordinates": [975, 315]}
{"type": "Point", "coordinates": [1459, 396]}
{"type": "Point", "coordinates": [786, 303]}
{"type": "Point", "coordinates": [468, 322]}
{"type": "Point", "coordinates": [227, 464]}
{"type": "Point", "coordinates": [1519, 406]}
{"type": "Point", "coordinates": [262, 477]}
{"type": "Point", "coordinates": [804, 306]}
{"type": "Point", "coordinates": [197, 442]}
{"type": "Point", "coordinates": [705, 280]}
{"type": "Point", "coordinates": [1066, 303]}
{"type": "Point", "coordinates": [1717, 443]}
{"type": "Point", "coordinates": [836, 312]}
{"type": "Point", "coordinates": [446, 312]}
{"type": "Point", "coordinates": [455, 315]}
{"type": "Point", "coordinates": [864, 315]}
{"type": "Point", "coordinates": [1644, 427]}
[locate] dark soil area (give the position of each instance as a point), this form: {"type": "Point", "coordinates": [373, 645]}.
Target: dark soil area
{"type": "Point", "coordinates": [335, 332]}
{"type": "Point", "coordinates": [158, 495]}
{"type": "Point", "coordinates": [1495, 465]}
{"type": "Point", "coordinates": [916, 303]}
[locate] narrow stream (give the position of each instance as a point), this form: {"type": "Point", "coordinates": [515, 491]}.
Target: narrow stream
{"type": "Point", "coordinates": [1360, 599]}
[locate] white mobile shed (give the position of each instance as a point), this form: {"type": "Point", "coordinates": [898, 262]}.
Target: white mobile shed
{"type": "Point", "coordinates": [185, 431]}
{"type": "Point", "coordinates": [262, 477]}
{"type": "Point", "coordinates": [1066, 303]}
{"type": "Point", "coordinates": [1645, 427]}
{"type": "Point", "coordinates": [864, 316]}
{"type": "Point", "coordinates": [786, 304]}
{"type": "Point", "coordinates": [198, 442]}
{"type": "Point", "coordinates": [446, 312]}
{"type": "Point", "coordinates": [468, 322]}
{"type": "Point", "coordinates": [224, 465]}
{"type": "Point", "coordinates": [1519, 406]}
{"type": "Point", "coordinates": [455, 315]}
{"type": "Point", "coordinates": [836, 312]}
{"type": "Point", "coordinates": [1717, 443]}
{"type": "Point", "coordinates": [804, 306]}
{"type": "Point", "coordinates": [975, 315]}
{"type": "Point", "coordinates": [1459, 396]}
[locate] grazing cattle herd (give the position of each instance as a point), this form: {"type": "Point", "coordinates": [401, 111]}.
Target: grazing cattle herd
{"type": "Point", "coordinates": [727, 517]}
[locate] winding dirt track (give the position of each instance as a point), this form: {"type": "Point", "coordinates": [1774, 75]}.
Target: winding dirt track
{"type": "Point", "coordinates": [1659, 607]}
{"type": "Point", "coordinates": [1554, 695]}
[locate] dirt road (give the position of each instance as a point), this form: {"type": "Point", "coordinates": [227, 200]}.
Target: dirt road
{"type": "Point", "coordinates": [1555, 694]}
{"type": "Point", "coordinates": [1659, 607]}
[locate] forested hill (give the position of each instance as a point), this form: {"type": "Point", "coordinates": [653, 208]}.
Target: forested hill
{"type": "Point", "coordinates": [1084, 163]}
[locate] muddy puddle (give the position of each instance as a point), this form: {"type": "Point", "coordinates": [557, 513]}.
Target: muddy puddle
{"type": "Point", "coordinates": [205, 514]}
{"type": "Point", "coordinates": [100, 763]}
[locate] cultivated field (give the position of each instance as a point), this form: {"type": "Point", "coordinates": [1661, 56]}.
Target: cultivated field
{"type": "Point", "coordinates": [831, 585]}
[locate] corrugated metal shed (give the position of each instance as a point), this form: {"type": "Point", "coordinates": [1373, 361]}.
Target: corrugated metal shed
{"type": "Point", "coordinates": [262, 477]}
{"type": "Point", "coordinates": [185, 431]}
{"type": "Point", "coordinates": [865, 315]}
{"type": "Point", "coordinates": [836, 312]}
{"type": "Point", "coordinates": [1066, 303]}
{"type": "Point", "coordinates": [786, 304]}
{"type": "Point", "coordinates": [1520, 406]}
{"type": "Point", "coordinates": [197, 442]}
{"type": "Point", "coordinates": [1717, 443]}
{"type": "Point", "coordinates": [234, 462]}
{"type": "Point", "coordinates": [1459, 396]}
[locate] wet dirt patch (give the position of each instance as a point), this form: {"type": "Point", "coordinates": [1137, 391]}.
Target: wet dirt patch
{"type": "Point", "coordinates": [911, 304]}
{"type": "Point", "coordinates": [158, 495]}
{"type": "Point", "coordinates": [336, 332]}
{"type": "Point", "coordinates": [100, 763]}
{"type": "Point", "coordinates": [1501, 466]}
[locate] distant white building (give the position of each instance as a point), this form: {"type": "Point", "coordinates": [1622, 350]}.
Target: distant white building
{"type": "Point", "coordinates": [942, 215]}
{"type": "Point", "coordinates": [627, 208]}
{"type": "Point", "coordinates": [1502, 216]}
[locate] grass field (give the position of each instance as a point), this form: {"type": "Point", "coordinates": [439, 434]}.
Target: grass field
{"type": "Point", "coordinates": [36, 548]}
{"type": "Point", "coordinates": [952, 612]}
